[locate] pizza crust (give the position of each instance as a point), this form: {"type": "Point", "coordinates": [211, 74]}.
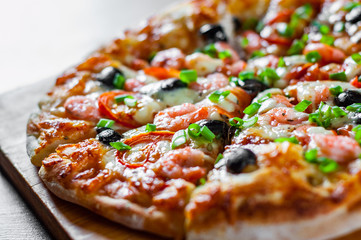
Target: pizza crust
{"type": "Point", "coordinates": [168, 224]}
{"type": "Point", "coordinates": [336, 223]}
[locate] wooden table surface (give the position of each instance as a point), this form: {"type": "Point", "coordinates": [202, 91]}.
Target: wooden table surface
{"type": "Point", "coordinates": [42, 38]}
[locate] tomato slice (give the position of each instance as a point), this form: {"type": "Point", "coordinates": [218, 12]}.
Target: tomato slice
{"type": "Point", "coordinates": [150, 139]}
{"type": "Point", "coordinates": [162, 73]}
{"type": "Point", "coordinates": [106, 108]}
{"type": "Point", "coordinates": [355, 82]}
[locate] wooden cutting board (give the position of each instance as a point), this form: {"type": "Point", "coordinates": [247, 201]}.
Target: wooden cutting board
{"type": "Point", "coordinates": [64, 220]}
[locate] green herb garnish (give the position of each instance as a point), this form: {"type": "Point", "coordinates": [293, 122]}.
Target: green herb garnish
{"type": "Point", "coordinates": [188, 76]}
{"type": "Point", "coordinates": [303, 105]}
{"type": "Point", "coordinates": [103, 122]}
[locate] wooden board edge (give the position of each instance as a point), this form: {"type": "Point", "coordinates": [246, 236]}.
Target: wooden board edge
{"type": "Point", "coordinates": [32, 199]}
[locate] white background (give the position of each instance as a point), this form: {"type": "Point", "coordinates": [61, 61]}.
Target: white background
{"type": "Point", "coordinates": [41, 38]}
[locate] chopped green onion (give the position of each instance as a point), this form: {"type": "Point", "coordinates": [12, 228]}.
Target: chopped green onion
{"type": "Point", "coordinates": [324, 29]}
{"type": "Point", "coordinates": [339, 27]}
{"type": "Point", "coordinates": [250, 122]}
{"type": "Point", "coordinates": [225, 54]}
{"type": "Point", "coordinates": [257, 54]}
{"type": "Point", "coordinates": [311, 155]}
{"type": "Point", "coordinates": [130, 102]}
{"type": "Point", "coordinates": [356, 57]}
{"type": "Point", "coordinates": [234, 81]}
{"type": "Point", "coordinates": [210, 50]}
{"type": "Point", "coordinates": [250, 23]}
{"type": "Point", "coordinates": [336, 90]}
{"type": "Point", "coordinates": [179, 139]}
{"type": "Point", "coordinates": [216, 96]}
{"type": "Point", "coordinates": [357, 131]}
{"type": "Point", "coordinates": [188, 76]}
{"type": "Point", "coordinates": [120, 146]}
{"type": "Point", "coordinates": [296, 47]}
{"type": "Point", "coordinates": [252, 109]}
{"type": "Point", "coordinates": [194, 130]}
{"type": "Point", "coordinates": [236, 122]}
{"type": "Point", "coordinates": [219, 157]}
{"type": "Point", "coordinates": [150, 127]}
{"type": "Point", "coordinates": [260, 26]}
{"type": "Point", "coordinates": [264, 98]}
{"type": "Point", "coordinates": [327, 165]}
{"type": "Point", "coordinates": [338, 76]}
{"type": "Point", "coordinates": [119, 81]}
{"type": "Point", "coordinates": [121, 98]}
{"type": "Point", "coordinates": [351, 5]}
{"type": "Point", "coordinates": [283, 139]}
{"type": "Point", "coordinates": [246, 75]}
{"type": "Point", "coordinates": [338, 112]}
{"type": "Point", "coordinates": [285, 30]}
{"type": "Point", "coordinates": [151, 56]}
{"type": "Point", "coordinates": [269, 75]}
{"type": "Point", "coordinates": [281, 62]}
{"type": "Point", "coordinates": [355, 107]}
{"type": "Point", "coordinates": [207, 134]}
{"type": "Point", "coordinates": [244, 42]}
{"type": "Point", "coordinates": [313, 57]}
{"type": "Point", "coordinates": [202, 181]}
{"type": "Point", "coordinates": [303, 105]}
{"type": "Point", "coordinates": [304, 11]}
{"type": "Point", "coordinates": [103, 122]}
{"type": "Point", "coordinates": [328, 40]}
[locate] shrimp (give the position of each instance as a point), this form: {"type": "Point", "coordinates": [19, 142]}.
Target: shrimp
{"type": "Point", "coordinates": [342, 149]}
{"type": "Point", "coordinates": [81, 107]}
{"type": "Point", "coordinates": [212, 82]}
{"type": "Point", "coordinates": [283, 115]}
{"type": "Point", "coordinates": [179, 117]}
{"type": "Point", "coordinates": [186, 163]}
{"type": "Point", "coordinates": [170, 58]}
{"type": "Point", "coordinates": [328, 53]}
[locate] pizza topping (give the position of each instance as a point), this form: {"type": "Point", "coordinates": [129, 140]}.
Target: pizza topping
{"type": "Point", "coordinates": [185, 163]}
{"type": "Point", "coordinates": [342, 149]}
{"type": "Point", "coordinates": [213, 33]}
{"type": "Point", "coordinates": [354, 15]}
{"type": "Point", "coordinates": [188, 76]}
{"type": "Point", "coordinates": [236, 161]}
{"type": "Point", "coordinates": [347, 98]}
{"type": "Point", "coordinates": [105, 123]}
{"type": "Point", "coordinates": [169, 58]}
{"type": "Point", "coordinates": [325, 165]}
{"type": "Point", "coordinates": [219, 128]}
{"type": "Point", "coordinates": [107, 135]}
{"type": "Point", "coordinates": [120, 146]}
{"type": "Point", "coordinates": [252, 86]}
{"type": "Point", "coordinates": [132, 109]}
{"type": "Point", "coordinates": [171, 92]}
{"type": "Point", "coordinates": [81, 107]}
{"type": "Point", "coordinates": [144, 148]}
{"type": "Point", "coordinates": [111, 77]}
{"type": "Point", "coordinates": [303, 105]}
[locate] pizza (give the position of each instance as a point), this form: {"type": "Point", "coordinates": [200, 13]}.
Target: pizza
{"type": "Point", "coordinates": [215, 119]}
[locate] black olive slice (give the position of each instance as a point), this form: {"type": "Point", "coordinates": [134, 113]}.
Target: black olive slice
{"type": "Point", "coordinates": [107, 75]}
{"type": "Point", "coordinates": [347, 98]}
{"type": "Point", "coordinates": [239, 159]}
{"type": "Point", "coordinates": [163, 86]}
{"type": "Point", "coordinates": [213, 33]}
{"type": "Point", "coordinates": [253, 86]}
{"type": "Point", "coordinates": [107, 135]}
{"type": "Point", "coordinates": [354, 15]}
{"type": "Point", "coordinates": [219, 128]}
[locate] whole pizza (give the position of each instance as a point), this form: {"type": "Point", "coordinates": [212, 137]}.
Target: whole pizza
{"type": "Point", "coordinates": [216, 119]}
